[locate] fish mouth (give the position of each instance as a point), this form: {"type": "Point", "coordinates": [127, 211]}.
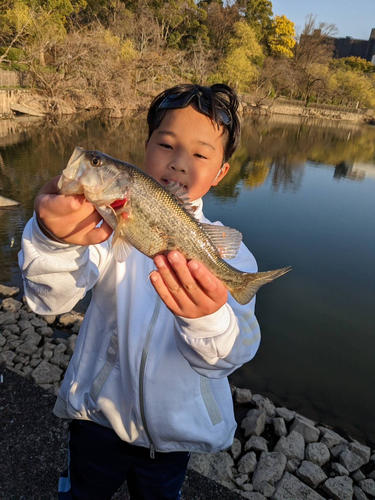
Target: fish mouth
{"type": "Point", "coordinates": [166, 182]}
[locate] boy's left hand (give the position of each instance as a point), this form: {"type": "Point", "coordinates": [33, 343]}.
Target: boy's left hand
{"type": "Point", "coordinates": [188, 289]}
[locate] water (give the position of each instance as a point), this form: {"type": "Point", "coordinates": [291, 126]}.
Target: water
{"type": "Point", "coordinates": [303, 194]}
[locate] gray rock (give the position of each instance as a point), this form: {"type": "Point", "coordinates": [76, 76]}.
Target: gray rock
{"type": "Point", "coordinates": [371, 475]}
{"type": "Point", "coordinates": [7, 332]}
{"type": "Point", "coordinates": [263, 403]}
{"type": "Point", "coordinates": [339, 488]}
{"type": "Point", "coordinates": [311, 474]}
{"type": "Point", "coordinates": [71, 344]}
{"type": "Point", "coordinates": [361, 450]}
{"type": "Point", "coordinates": [60, 340]}
{"type": "Point", "coordinates": [216, 466]}
{"type": "Point", "coordinates": [286, 414]}
{"type": "Point", "coordinates": [20, 359]}
{"type": "Point", "coordinates": [339, 469]}
{"type": "Point", "coordinates": [35, 362]}
{"type": "Point", "coordinates": [2, 340]}
{"type": "Point", "coordinates": [266, 489]}
{"type": "Point", "coordinates": [317, 453]}
{"type": "Point", "coordinates": [38, 322]}
{"type": "Point", "coordinates": [9, 291]}
{"type": "Point", "coordinates": [247, 463]}
{"type": "Point", "coordinates": [309, 432]}
{"type": "Point", "coordinates": [291, 488]}
{"type": "Point", "coordinates": [330, 438]}
{"type": "Point", "coordinates": [241, 479]}
{"type": "Point", "coordinates": [350, 460]}
{"type": "Point", "coordinates": [61, 360]}
{"type": "Point", "coordinates": [27, 348]}
{"type": "Point", "coordinates": [292, 465]}
{"type": "Point", "coordinates": [12, 344]}
{"type": "Point", "coordinates": [47, 355]}
{"type": "Point", "coordinates": [14, 329]}
{"type": "Point", "coordinates": [253, 496]}
{"type": "Point", "coordinates": [33, 338]}
{"type": "Point", "coordinates": [338, 449]}
{"type": "Point", "coordinates": [279, 426]}
{"type": "Point", "coordinates": [269, 469]}
{"type": "Point", "coordinates": [75, 328]}
{"type": "Point", "coordinates": [8, 318]}
{"type": "Point", "coordinates": [24, 324]}
{"type": "Point", "coordinates": [60, 349]}
{"type": "Point", "coordinates": [27, 370]}
{"type": "Point", "coordinates": [11, 305]}
{"type": "Point", "coordinates": [27, 332]}
{"type": "Point", "coordinates": [247, 487]}
{"type": "Point", "coordinates": [357, 475]}
{"type": "Point", "coordinates": [257, 443]}
{"type": "Point", "coordinates": [46, 373]}
{"type": "Point", "coordinates": [45, 331]}
{"type": "Point", "coordinates": [368, 486]}
{"type": "Point", "coordinates": [254, 423]}
{"type": "Point", "coordinates": [242, 396]}
{"type": "Point", "coordinates": [7, 357]}
{"type": "Point", "coordinates": [359, 494]}
{"type": "Point", "coordinates": [236, 448]}
{"type": "Point", "coordinates": [292, 446]}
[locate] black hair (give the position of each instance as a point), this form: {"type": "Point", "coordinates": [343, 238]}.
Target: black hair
{"type": "Point", "coordinates": [220, 99]}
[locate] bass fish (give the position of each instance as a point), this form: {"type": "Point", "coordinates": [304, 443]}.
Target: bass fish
{"type": "Point", "coordinates": [156, 219]}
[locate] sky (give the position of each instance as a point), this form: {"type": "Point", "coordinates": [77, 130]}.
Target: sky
{"type": "Point", "coordinates": [352, 18]}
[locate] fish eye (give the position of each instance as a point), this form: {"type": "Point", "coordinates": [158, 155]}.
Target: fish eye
{"type": "Point", "coordinates": [95, 161]}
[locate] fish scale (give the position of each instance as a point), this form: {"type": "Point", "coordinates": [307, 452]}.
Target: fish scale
{"type": "Point", "coordinates": [156, 221]}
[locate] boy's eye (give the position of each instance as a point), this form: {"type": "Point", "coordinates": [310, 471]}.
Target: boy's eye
{"type": "Point", "coordinates": [201, 156]}
{"type": "Point", "coordinates": [165, 145]}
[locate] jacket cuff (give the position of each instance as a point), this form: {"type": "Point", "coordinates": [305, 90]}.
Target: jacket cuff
{"type": "Point", "coordinates": [42, 242]}
{"type": "Point", "coordinates": [213, 325]}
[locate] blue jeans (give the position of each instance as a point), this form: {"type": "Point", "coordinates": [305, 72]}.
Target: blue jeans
{"type": "Point", "coordinates": [100, 462]}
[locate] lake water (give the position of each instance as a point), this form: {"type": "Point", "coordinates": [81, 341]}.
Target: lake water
{"type": "Point", "coordinates": [302, 193]}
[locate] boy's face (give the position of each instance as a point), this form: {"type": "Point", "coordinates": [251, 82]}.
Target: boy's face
{"type": "Point", "coordinates": [187, 148]}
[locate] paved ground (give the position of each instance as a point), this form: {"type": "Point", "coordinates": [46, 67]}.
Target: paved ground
{"type": "Point", "coordinates": [33, 447]}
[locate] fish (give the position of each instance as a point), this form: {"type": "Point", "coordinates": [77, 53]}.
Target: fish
{"type": "Point", "coordinates": [157, 219]}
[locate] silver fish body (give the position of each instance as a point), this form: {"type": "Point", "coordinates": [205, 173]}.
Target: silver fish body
{"type": "Point", "coordinates": [156, 221]}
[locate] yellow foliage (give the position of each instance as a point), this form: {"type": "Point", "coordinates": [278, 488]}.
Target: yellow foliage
{"type": "Point", "coordinates": [354, 86]}
{"type": "Point", "coordinates": [282, 37]}
{"type": "Point", "coordinates": [128, 52]}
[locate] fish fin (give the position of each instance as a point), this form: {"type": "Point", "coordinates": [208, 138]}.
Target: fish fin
{"type": "Point", "coordinates": [121, 248]}
{"type": "Point", "coordinates": [181, 196]}
{"type": "Point", "coordinates": [226, 239]}
{"type": "Point", "coordinates": [253, 281]}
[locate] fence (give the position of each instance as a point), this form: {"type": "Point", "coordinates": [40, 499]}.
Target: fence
{"type": "Point", "coordinates": [9, 78]}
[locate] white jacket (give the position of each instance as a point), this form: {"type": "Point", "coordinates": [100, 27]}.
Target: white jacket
{"type": "Point", "coordinates": [158, 380]}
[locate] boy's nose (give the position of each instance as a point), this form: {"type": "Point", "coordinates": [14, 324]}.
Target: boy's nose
{"type": "Point", "coordinates": [177, 168]}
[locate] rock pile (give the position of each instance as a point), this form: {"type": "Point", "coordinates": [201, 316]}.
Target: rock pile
{"type": "Point", "coordinates": [278, 453]}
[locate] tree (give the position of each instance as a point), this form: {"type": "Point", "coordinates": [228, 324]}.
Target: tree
{"type": "Point", "coordinates": [258, 15]}
{"type": "Point", "coordinates": [281, 37]}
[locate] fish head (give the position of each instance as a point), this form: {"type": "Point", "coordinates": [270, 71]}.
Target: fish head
{"type": "Point", "coordinates": [94, 174]}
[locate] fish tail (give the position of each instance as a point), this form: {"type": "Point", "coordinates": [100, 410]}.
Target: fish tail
{"type": "Point", "coordinates": [253, 281]}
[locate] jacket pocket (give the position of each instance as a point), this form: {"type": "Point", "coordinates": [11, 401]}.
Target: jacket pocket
{"type": "Point", "coordinates": [106, 369]}
{"type": "Point", "coordinates": [210, 401]}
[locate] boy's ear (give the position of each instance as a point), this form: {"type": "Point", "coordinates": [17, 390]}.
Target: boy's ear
{"type": "Point", "coordinates": [222, 173]}
{"type": "Point", "coordinates": [146, 142]}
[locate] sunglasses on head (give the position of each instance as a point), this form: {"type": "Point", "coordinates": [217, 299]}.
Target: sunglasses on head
{"type": "Point", "coordinates": [178, 101]}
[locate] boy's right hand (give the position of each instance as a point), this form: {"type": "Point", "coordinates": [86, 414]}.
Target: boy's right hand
{"type": "Point", "coordinates": [71, 219]}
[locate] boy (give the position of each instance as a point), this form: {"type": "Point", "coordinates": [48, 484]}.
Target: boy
{"type": "Point", "coordinates": [147, 383]}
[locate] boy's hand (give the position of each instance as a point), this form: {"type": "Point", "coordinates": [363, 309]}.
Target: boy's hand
{"type": "Point", "coordinates": [71, 219]}
{"type": "Point", "coordinates": [188, 289]}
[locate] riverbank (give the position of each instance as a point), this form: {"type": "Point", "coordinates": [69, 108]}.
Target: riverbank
{"type": "Point", "coordinates": [276, 453]}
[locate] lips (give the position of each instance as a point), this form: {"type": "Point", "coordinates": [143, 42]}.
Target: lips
{"type": "Point", "coordinates": [168, 181]}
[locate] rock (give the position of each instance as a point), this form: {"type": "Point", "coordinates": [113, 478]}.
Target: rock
{"type": "Point", "coordinates": [266, 489]}
{"type": "Point", "coordinates": [24, 324]}
{"type": "Point", "coordinates": [216, 466]}
{"type": "Point", "coordinates": [45, 331]}
{"type": "Point", "coordinates": [254, 423]}
{"type": "Point", "coordinates": [292, 446]}
{"type": "Point", "coordinates": [292, 465]}
{"type": "Point", "coordinates": [35, 362]}
{"type": "Point", "coordinates": [291, 488]}
{"type": "Point", "coordinates": [27, 332]}
{"type": "Point", "coordinates": [241, 479]}
{"type": "Point", "coordinates": [8, 318]}
{"type": "Point", "coordinates": [339, 488]}
{"type": "Point", "coordinates": [317, 453]}
{"type": "Point", "coordinates": [337, 450]}
{"type": "Point", "coordinates": [339, 469]}
{"type": "Point", "coordinates": [263, 403]}
{"type": "Point", "coordinates": [350, 460]}
{"type": "Point", "coordinates": [247, 463]}
{"type": "Point", "coordinates": [61, 360]}
{"type": "Point", "coordinates": [361, 450]}
{"type": "Point", "coordinates": [33, 338]}
{"type": "Point", "coordinates": [14, 329]}
{"type": "Point", "coordinates": [2, 340]}
{"type": "Point", "coordinates": [27, 348]}
{"type": "Point", "coordinates": [49, 319]}
{"type": "Point", "coordinates": [330, 438]}
{"type": "Point", "coordinates": [371, 475]}
{"type": "Point", "coordinates": [269, 469]}
{"type": "Point", "coordinates": [306, 429]}
{"type": "Point", "coordinates": [12, 344]}
{"type": "Point", "coordinates": [359, 494]}
{"type": "Point", "coordinates": [60, 349]}
{"type": "Point", "coordinates": [7, 357]}
{"type": "Point", "coordinates": [69, 319]}
{"type": "Point", "coordinates": [247, 487]}
{"type": "Point", "coordinates": [286, 414]}
{"type": "Point", "coordinates": [27, 370]}
{"type": "Point", "coordinates": [47, 355]}
{"type": "Point", "coordinates": [368, 486]}
{"type": "Point", "coordinates": [46, 373]}
{"type": "Point", "coordinates": [279, 426]}
{"type": "Point", "coordinates": [75, 328]}
{"type": "Point", "coordinates": [236, 448]}
{"type": "Point", "coordinates": [242, 396]}
{"type": "Point", "coordinates": [253, 496]}
{"type": "Point", "coordinates": [311, 474]}
{"type": "Point", "coordinates": [357, 475]}
{"type": "Point", "coordinates": [256, 443]}
{"type": "Point", "coordinates": [11, 305]}
{"type": "Point", "coordinates": [71, 344]}
{"type": "Point", "coordinates": [9, 291]}
{"type": "Point", "coordinates": [38, 322]}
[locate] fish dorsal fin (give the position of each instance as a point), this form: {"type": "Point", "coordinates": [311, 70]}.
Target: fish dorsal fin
{"type": "Point", "coordinates": [181, 196]}
{"type": "Point", "coordinates": [226, 239]}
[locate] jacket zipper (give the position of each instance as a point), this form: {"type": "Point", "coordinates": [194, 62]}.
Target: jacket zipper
{"type": "Point", "coordinates": [146, 348]}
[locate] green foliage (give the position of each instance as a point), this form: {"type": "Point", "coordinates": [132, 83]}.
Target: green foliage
{"type": "Point", "coordinates": [353, 63]}
{"type": "Point", "coordinates": [14, 54]}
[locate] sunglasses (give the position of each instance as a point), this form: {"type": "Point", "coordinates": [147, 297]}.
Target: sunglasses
{"type": "Point", "coordinates": [178, 101]}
